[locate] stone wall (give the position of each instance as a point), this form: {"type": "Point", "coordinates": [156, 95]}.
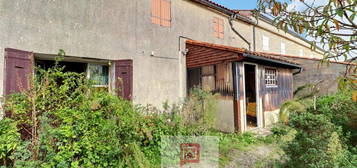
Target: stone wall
{"type": "Point", "coordinates": [314, 72]}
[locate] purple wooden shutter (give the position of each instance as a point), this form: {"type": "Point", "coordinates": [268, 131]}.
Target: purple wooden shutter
{"type": "Point", "coordinates": [124, 78]}
{"type": "Point", "coordinates": [18, 70]}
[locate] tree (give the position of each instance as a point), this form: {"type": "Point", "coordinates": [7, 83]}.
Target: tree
{"type": "Point", "coordinates": [332, 24]}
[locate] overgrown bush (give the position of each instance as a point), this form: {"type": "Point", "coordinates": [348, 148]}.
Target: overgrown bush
{"type": "Point", "coordinates": [200, 108]}
{"type": "Point", "coordinates": [292, 107]}
{"type": "Point", "coordinates": [9, 139]}
{"type": "Point", "coordinates": [321, 135]}
{"type": "Point", "coordinates": [63, 122]}
{"type": "Point", "coordinates": [317, 142]}
{"type": "Point", "coordinates": [341, 111]}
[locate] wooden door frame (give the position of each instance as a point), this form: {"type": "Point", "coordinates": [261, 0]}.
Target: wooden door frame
{"type": "Point", "coordinates": [258, 102]}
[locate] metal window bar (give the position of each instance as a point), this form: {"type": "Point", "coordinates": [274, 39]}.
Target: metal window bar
{"type": "Point", "coordinates": [270, 77]}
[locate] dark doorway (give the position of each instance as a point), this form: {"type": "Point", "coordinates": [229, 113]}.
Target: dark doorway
{"type": "Point", "coordinates": [250, 95]}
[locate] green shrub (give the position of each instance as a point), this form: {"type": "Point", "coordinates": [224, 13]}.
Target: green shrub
{"type": "Point", "coordinates": [61, 121]}
{"type": "Point", "coordinates": [342, 111]}
{"type": "Point", "coordinates": [200, 108]}
{"type": "Point", "coordinates": [9, 140]}
{"type": "Point", "coordinates": [322, 135]}
{"type": "Point", "coordinates": [294, 106]}
{"type": "Point", "coordinates": [65, 123]}
{"type": "Point", "coordinates": [316, 144]}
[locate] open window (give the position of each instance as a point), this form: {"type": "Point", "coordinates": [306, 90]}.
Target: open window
{"type": "Point", "coordinates": [99, 75]}
{"type": "Point", "coordinates": [19, 68]}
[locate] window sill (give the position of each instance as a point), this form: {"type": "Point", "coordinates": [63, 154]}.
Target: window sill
{"type": "Point", "coordinates": [271, 86]}
{"type": "Point", "coordinates": [100, 86]}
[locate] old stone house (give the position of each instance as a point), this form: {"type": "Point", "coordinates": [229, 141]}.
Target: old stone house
{"type": "Point", "coordinates": [152, 51]}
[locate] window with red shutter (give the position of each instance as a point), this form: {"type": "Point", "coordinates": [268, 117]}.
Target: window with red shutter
{"type": "Point", "coordinates": [218, 27]}
{"type": "Point", "coordinates": [161, 12]}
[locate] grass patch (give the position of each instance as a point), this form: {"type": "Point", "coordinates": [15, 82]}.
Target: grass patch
{"type": "Point", "coordinates": [238, 142]}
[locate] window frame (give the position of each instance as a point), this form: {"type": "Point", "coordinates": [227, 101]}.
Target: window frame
{"type": "Point", "coordinates": [301, 52]}
{"type": "Point", "coordinates": [272, 73]}
{"type": "Point", "coordinates": [266, 43]}
{"type": "Point", "coordinates": [89, 75]}
{"type": "Point", "coordinates": [283, 48]}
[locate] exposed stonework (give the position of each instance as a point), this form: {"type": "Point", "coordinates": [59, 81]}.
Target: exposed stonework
{"type": "Point", "coordinates": [314, 72]}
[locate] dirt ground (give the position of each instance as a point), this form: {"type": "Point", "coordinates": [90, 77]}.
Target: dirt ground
{"type": "Point", "coordinates": [262, 156]}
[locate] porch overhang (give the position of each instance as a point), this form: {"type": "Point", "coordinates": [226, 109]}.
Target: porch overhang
{"type": "Point", "coordinates": [260, 58]}
{"type": "Point", "coordinates": [204, 54]}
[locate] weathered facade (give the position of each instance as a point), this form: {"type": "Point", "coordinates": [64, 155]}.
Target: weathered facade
{"type": "Point", "coordinates": [113, 30]}
{"type": "Point", "coordinates": [250, 86]}
{"type": "Point", "coordinates": [138, 48]}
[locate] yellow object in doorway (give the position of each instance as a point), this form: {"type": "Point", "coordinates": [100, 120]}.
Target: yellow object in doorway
{"type": "Point", "coordinates": [252, 109]}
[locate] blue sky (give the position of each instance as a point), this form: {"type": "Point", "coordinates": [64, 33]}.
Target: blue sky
{"type": "Point", "coordinates": [238, 4]}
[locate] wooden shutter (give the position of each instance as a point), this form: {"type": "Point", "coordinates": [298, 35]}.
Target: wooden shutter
{"type": "Point", "coordinates": [124, 78]}
{"type": "Point", "coordinates": [18, 70]}
{"type": "Point", "coordinates": [218, 27]}
{"type": "Point", "coordinates": [215, 27]}
{"type": "Point", "coordinates": [221, 28]}
{"type": "Point", "coordinates": [166, 13]}
{"type": "Point", "coordinates": [161, 12]}
{"type": "Point", "coordinates": [155, 11]}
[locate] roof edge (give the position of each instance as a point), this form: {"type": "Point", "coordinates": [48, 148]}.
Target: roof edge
{"type": "Point", "coordinates": [253, 56]}
{"type": "Point", "coordinates": [245, 53]}
{"type": "Point", "coordinates": [223, 9]}
{"type": "Point", "coordinates": [312, 59]}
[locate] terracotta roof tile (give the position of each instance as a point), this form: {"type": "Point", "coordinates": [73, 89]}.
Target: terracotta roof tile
{"type": "Point", "coordinates": [238, 50]}
{"type": "Point", "coordinates": [218, 5]}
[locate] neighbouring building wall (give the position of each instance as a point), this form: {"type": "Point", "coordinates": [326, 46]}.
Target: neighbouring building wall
{"type": "Point", "coordinates": [114, 30]}
{"type": "Point", "coordinates": [314, 72]}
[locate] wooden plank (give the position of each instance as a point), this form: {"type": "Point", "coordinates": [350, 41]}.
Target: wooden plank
{"type": "Point", "coordinates": [18, 70]}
